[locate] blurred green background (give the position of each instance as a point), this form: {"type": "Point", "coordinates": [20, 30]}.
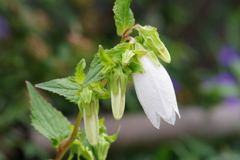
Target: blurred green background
{"type": "Point", "coordinates": [42, 40]}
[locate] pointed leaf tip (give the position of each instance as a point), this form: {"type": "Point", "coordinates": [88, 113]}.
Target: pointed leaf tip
{"type": "Point", "coordinates": [46, 119]}
{"type": "Point", "coordinates": [123, 15]}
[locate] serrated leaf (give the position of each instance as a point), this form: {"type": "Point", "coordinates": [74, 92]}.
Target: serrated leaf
{"type": "Point", "coordinates": [104, 58]}
{"type": "Point", "coordinates": [46, 119]}
{"type": "Point", "coordinates": [79, 75]}
{"type": "Point", "coordinates": [66, 87]}
{"type": "Point", "coordinates": [123, 16]}
{"type": "Point", "coordinates": [116, 52]}
{"type": "Point", "coordinates": [95, 72]}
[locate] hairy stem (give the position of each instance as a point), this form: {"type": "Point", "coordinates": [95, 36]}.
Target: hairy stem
{"type": "Point", "coordinates": [69, 142]}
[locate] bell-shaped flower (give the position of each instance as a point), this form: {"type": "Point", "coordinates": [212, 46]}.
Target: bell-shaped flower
{"type": "Point", "coordinates": [155, 92]}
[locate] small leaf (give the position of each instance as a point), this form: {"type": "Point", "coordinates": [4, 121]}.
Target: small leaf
{"type": "Point", "coordinates": [116, 52]}
{"type": "Point", "coordinates": [79, 75]}
{"type": "Point", "coordinates": [119, 49]}
{"type": "Point", "coordinates": [124, 18]}
{"type": "Point", "coordinates": [81, 150]}
{"type": "Point", "coordinates": [104, 58]}
{"type": "Point", "coordinates": [95, 72]}
{"type": "Point", "coordinates": [46, 119]}
{"type": "Point", "coordinates": [66, 87]}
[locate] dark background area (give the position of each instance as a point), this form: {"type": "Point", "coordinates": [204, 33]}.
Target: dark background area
{"type": "Point", "coordinates": [42, 40]}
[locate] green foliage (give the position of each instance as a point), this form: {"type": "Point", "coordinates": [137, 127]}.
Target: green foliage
{"type": "Point", "coordinates": [66, 87]}
{"type": "Point", "coordinates": [94, 73]}
{"type": "Point", "coordinates": [47, 120]}
{"type": "Point", "coordinates": [124, 18]}
{"type": "Point", "coordinates": [79, 75]}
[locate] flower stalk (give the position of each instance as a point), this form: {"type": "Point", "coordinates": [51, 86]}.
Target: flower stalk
{"type": "Point", "coordinates": [67, 145]}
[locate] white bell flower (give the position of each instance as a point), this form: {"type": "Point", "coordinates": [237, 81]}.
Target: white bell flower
{"type": "Point", "coordinates": [155, 92]}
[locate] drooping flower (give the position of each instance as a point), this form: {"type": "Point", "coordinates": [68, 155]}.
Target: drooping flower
{"type": "Point", "coordinates": [155, 92]}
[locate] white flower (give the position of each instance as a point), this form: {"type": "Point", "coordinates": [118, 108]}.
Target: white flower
{"type": "Point", "coordinates": [156, 93]}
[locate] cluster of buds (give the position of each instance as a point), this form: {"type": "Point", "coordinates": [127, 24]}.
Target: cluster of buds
{"type": "Point", "coordinates": [135, 60]}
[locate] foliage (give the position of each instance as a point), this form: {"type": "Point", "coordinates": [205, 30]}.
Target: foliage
{"type": "Point", "coordinates": [39, 42]}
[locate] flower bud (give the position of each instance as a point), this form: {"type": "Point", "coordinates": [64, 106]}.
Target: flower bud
{"type": "Point", "coordinates": [90, 115]}
{"type": "Point", "coordinates": [118, 83]}
{"type": "Point", "coordinates": [89, 106]}
{"type": "Point", "coordinates": [102, 147]}
{"type": "Point", "coordinates": [153, 42]}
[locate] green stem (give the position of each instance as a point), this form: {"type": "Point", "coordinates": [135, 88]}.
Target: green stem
{"type": "Point", "coordinates": [68, 144]}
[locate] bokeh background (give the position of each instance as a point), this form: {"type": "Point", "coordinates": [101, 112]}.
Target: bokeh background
{"type": "Point", "coordinates": [42, 40]}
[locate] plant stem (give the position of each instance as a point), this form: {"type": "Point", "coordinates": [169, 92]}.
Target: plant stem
{"type": "Point", "coordinates": [131, 28]}
{"type": "Point", "coordinates": [69, 142]}
{"type": "Point", "coordinates": [124, 38]}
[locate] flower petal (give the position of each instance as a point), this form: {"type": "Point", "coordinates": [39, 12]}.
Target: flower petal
{"type": "Point", "coordinates": [155, 92]}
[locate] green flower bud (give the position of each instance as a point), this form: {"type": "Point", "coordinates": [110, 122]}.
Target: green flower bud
{"type": "Point", "coordinates": [102, 147]}
{"type": "Point", "coordinates": [90, 115]}
{"type": "Point", "coordinates": [89, 106]}
{"type": "Point", "coordinates": [153, 42]}
{"type": "Point", "coordinates": [118, 83]}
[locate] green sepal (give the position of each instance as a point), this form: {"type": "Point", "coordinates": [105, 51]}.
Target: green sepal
{"type": "Point", "coordinates": [123, 80]}
{"type": "Point", "coordinates": [81, 150]}
{"type": "Point", "coordinates": [126, 57]}
{"type": "Point", "coordinates": [123, 16]}
{"type": "Point", "coordinates": [139, 47]}
{"type": "Point", "coordinates": [153, 57]}
{"type": "Point", "coordinates": [46, 119]}
{"type": "Point", "coordinates": [79, 74]}
{"type": "Point", "coordinates": [99, 90]}
{"type": "Point", "coordinates": [116, 52]}
{"type": "Point", "coordinates": [107, 69]}
{"type": "Point", "coordinates": [127, 70]}
{"type": "Point", "coordinates": [104, 58]}
{"type": "Point", "coordinates": [139, 54]}
{"type": "Point", "coordinates": [113, 78]}
{"type": "Point", "coordinates": [66, 87]}
{"type": "Point", "coordinates": [104, 142]}
{"type": "Point", "coordinates": [86, 95]}
{"type": "Point", "coordinates": [153, 42]}
{"type": "Point", "coordinates": [95, 72]}
{"type": "Point", "coordinates": [139, 50]}
{"type": "Point", "coordinates": [136, 67]}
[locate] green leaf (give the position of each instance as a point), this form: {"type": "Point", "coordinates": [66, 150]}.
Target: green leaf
{"type": "Point", "coordinates": [79, 75]}
{"type": "Point", "coordinates": [123, 16]}
{"type": "Point", "coordinates": [46, 119]}
{"type": "Point", "coordinates": [66, 87]}
{"type": "Point", "coordinates": [104, 58]}
{"type": "Point", "coordinates": [95, 72]}
{"type": "Point", "coordinates": [80, 150]}
{"type": "Point", "coordinates": [116, 52]}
